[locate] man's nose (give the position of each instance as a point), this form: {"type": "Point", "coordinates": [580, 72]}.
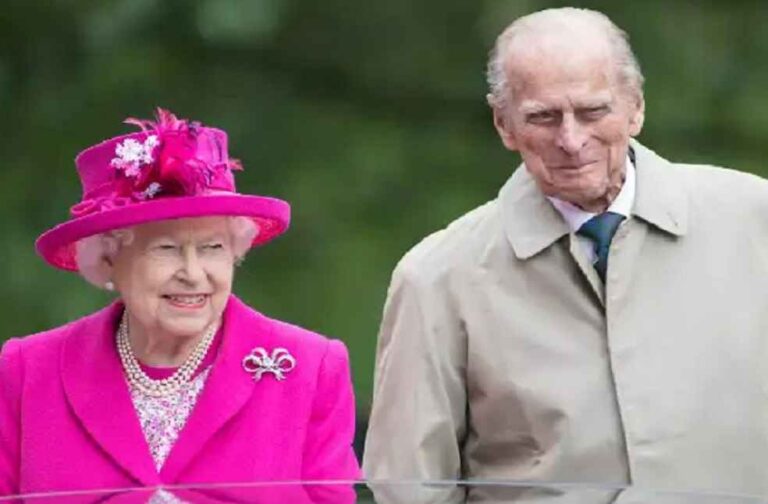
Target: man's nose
{"type": "Point", "coordinates": [572, 136]}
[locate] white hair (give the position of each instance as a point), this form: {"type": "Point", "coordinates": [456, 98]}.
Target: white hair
{"type": "Point", "coordinates": [92, 250]}
{"type": "Point", "coordinates": [555, 22]}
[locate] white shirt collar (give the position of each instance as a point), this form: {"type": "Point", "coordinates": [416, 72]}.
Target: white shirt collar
{"type": "Point", "coordinates": [623, 203]}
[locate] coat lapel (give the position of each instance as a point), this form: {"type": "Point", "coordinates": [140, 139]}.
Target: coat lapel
{"type": "Point", "coordinates": [96, 389]}
{"type": "Point", "coordinates": [660, 199]}
{"type": "Point", "coordinates": [227, 389]}
{"type": "Point", "coordinates": [531, 222]}
{"type": "Point", "coordinates": [660, 204]}
{"type": "Point", "coordinates": [587, 269]}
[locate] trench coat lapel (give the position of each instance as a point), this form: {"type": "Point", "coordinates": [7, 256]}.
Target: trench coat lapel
{"type": "Point", "coordinates": [227, 388]}
{"type": "Point", "coordinates": [660, 199]}
{"type": "Point", "coordinates": [532, 224]}
{"type": "Point", "coordinates": [587, 269]}
{"type": "Point", "coordinates": [95, 387]}
{"type": "Point", "coordinates": [661, 205]}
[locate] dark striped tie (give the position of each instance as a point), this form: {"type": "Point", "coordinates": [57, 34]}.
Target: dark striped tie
{"type": "Point", "coordinates": [600, 229]}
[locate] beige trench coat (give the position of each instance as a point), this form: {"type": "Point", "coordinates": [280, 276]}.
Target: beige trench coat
{"type": "Point", "coordinates": [502, 354]}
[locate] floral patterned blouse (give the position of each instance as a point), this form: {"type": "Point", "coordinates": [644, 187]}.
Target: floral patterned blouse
{"type": "Point", "coordinates": [162, 418]}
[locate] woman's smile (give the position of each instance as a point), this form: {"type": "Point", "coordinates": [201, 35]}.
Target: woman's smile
{"type": "Point", "coordinates": [187, 301]}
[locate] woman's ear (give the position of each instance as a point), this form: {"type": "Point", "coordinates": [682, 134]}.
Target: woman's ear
{"type": "Point", "coordinates": [108, 268]}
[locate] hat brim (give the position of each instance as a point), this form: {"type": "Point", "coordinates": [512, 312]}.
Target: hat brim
{"type": "Point", "coordinates": [57, 245]}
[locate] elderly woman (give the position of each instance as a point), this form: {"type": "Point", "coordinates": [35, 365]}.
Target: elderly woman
{"type": "Point", "coordinates": [178, 381]}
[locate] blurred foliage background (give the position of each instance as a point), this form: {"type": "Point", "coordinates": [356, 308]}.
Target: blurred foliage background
{"type": "Point", "coordinates": [369, 117]}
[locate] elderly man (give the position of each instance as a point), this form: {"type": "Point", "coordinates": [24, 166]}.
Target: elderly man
{"type": "Point", "coordinates": [604, 319]}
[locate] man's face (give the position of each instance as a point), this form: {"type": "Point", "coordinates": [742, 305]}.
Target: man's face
{"type": "Point", "coordinates": [571, 123]}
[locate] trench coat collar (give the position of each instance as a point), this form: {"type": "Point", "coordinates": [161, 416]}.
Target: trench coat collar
{"type": "Point", "coordinates": [661, 198]}
{"type": "Point", "coordinates": [530, 221]}
{"type": "Point", "coordinates": [532, 224]}
{"type": "Point", "coordinates": [98, 393]}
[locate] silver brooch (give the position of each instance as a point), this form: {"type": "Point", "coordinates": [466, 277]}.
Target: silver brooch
{"type": "Point", "coordinates": [259, 362]}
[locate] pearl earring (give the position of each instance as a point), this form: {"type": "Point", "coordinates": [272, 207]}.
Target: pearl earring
{"type": "Point", "coordinates": [109, 285]}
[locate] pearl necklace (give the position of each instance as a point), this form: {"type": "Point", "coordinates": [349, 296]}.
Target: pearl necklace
{"type": "Point", "coordinates": [139, 380]}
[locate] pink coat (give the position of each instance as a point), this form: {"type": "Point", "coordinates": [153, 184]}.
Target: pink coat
{"type": "Point", "coordinates": [67, 421]}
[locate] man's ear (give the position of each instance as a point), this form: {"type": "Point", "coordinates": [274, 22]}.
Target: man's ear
{"type": "Point", "coordinates": [502, 124]}
{"type": "Point", "coordinates": [638, 117]}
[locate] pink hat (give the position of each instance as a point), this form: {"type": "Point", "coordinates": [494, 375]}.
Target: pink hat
{"type": "Point", "coordinates": [171, 169]}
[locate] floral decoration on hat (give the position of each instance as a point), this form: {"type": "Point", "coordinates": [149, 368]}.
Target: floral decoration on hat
{"type": "Point", "coordinates": [173, 160]}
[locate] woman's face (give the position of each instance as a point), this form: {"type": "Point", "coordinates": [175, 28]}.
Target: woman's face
{"type": "Point", "coordinates": [175, 276]}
